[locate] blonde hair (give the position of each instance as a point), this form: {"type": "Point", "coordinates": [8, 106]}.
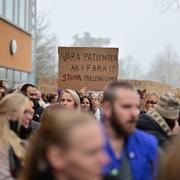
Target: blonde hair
{"type": "Point", "coordinates": [75, 97]}
{"type": "Point", "coordinates": [10, 105]}
{"type": "Point", "coordinates": [55, 130]}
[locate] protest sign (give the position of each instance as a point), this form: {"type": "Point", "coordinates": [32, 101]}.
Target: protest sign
{"type": "Point", "coordinates": [87, 67]}
{"type": "Point", "coordinates": [48, 85]}
{"type": "Point", "coordinates": [150, 86]}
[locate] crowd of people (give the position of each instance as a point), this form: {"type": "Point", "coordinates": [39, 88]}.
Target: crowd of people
{"type": "Point", "coordinates": [120, 133]}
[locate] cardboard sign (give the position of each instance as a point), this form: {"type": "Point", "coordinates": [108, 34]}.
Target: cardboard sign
{"type": "Point", "coordinates": [87, 67]}
{"type": "Point", "coordinates": [48, 85]}
{"type": "Point", "coordinates": [150, 86]}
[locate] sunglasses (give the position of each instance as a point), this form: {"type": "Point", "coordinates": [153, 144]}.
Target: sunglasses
{"type": "Point", "coordinates": [152, 102]}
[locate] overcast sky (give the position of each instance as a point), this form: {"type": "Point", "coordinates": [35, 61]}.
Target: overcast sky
{"type": "Point", "coordinates": [136, 27]}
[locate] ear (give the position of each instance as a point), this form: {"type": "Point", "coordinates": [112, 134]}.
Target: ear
{"type": "Point", "coordinates": [107, 109]}
{"type": "Point", "coordinates": [55, 158]}
{"type": "Point", "coordinates": [144, 91]}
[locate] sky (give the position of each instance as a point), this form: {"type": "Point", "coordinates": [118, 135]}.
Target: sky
{"type": "Point", "coordinates": [137, 27]}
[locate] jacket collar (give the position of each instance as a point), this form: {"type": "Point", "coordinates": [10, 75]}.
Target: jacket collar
{"type": "Point", "coordinates": [155, 116]}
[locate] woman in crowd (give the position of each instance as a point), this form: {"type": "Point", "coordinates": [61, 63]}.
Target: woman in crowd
{"type": "Point", "coordinates": [67, 146]}
{"type": "Point", "coordinates": [86, 104]}
{"type": "Point", "coordinates": [148, 102]}
{"type": "Point", "coordinates": [51, 99]}
{"type": "Point", "coordinates": [96, 106]}
{"type": "Point", "coordinates": [12, 109]}
{"type": "Point", "coordinates": [70, 100]}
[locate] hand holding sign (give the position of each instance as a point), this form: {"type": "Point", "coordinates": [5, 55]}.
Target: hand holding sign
{"type": "Point", "coordinates": [84, 91]}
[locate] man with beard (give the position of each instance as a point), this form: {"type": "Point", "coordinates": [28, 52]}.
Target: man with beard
{"type": "Point", "coordinates": [133, 154]}
{"type": "Point", "coordinates": [30, 91]}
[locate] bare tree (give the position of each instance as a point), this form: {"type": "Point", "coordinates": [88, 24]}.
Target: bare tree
{"type": "Point", "coordinates": [129, 68]}
{"type": "Point", "coordinates": [89, 41]}
{"type": "Point", "coordinates": [46, 48]}
{"type": "Point", "coordinates": [165, 5]}
{"type": "Point", "coordinates": [166, 67]}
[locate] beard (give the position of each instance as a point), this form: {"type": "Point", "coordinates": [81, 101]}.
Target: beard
{"type": "Point", "coordinates": [119, 128]}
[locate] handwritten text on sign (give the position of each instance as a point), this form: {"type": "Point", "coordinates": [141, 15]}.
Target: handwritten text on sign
{"type": "Point", "coordinates": [90, 67]}
{"type": "Point", "coordinates": [48, 84]}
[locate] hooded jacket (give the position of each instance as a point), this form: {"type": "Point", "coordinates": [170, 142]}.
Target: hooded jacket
{"type": "Point", "coordinates": [152, 122]}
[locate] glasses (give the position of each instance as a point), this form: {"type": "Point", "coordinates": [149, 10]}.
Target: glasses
{"type": "Point", "coordinates": [152, 102]}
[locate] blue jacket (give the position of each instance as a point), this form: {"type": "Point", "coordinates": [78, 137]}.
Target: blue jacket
{"type": "Point", "coordinates": [142, 152]}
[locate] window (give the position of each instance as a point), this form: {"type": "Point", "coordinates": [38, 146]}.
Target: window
{"type": "Point", "coordinates": [2, 73]}
{"type": "Point", "coordinates": [16, 11]}
{"type": "Point", "coordinates": [33, 9]}
{"type": "Point", "coordinates": [24, 77]}
{"type": "Point", "coordinates": [22, 13]}
{"type": "Point", "coordinates": [16, 76]}
{"type": "Point", "coordinates": [9, 9]}
{"type": "Point", "coordinates": [9, 75]}
{"type": "Point", "coordinates": [1, 7]}
{"type": "Point", "coordinates": [27, 15]}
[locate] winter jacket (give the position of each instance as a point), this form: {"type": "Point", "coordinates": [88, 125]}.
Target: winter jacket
{"type": "Point", "coordinates": [25, 133]}
{"type": "Point", "coordinates": [154, 124]}
{"type": "Point", "coordinates": [142, 151]}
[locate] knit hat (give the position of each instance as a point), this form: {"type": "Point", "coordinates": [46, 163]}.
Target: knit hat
{"type": "Point", "coordinates": [168, 106]}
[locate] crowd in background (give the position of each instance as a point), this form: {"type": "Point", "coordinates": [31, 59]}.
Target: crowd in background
{"type": "Point", "coordinates": [119, 134]}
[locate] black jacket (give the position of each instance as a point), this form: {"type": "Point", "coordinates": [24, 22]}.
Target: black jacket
{"type": "Point", "coordinates": [146, 124]}
{"type": "Point", "coordinates": [25, 133]}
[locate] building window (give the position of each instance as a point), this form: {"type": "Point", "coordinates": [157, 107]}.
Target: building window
{"type": "Point", "coordinates": [27, 15]}
{"type": "Point", "coordinates": [1, 7]}
{"type": "Point", "coordinates": [24, 76]}
{"type": "Point", "coordinates": [33, 9]}
{"type": "Point", "coordinates": [17, 76]}
{"type": "Point", "coordinates": [9, 75]}
{"type": "Point", "coordinates": [2, 73]}
{"type": "Point", "coordinates": [16, 11]}
{"type": "Point", "coordinates": [9, 9]}
{"type": "Point", "coordinates": [22, 13]}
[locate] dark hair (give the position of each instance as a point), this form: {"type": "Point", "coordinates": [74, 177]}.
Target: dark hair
{"type": "Point", "coordinates": [109, 93]}
{"type": "Point", "coordinates": [179, 118]}
{"type": "Point", "coordinates": [2, 86]}
{"type": "Point", "coordinates": [25, 87]}
{"type": "Point", "coordinates": [86, 97]}
{"type": "Point", "coordinates": [170, 122]}
{"type": "Point", "coordinates": [3, 94]}
{"type": "Point", "coordinates": [50, 97]}
{"type": "Point", "coordinates": [44, 96]}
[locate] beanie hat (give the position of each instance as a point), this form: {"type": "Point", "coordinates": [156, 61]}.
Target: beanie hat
{"type": "Point", "coordinates": [168, 106]}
